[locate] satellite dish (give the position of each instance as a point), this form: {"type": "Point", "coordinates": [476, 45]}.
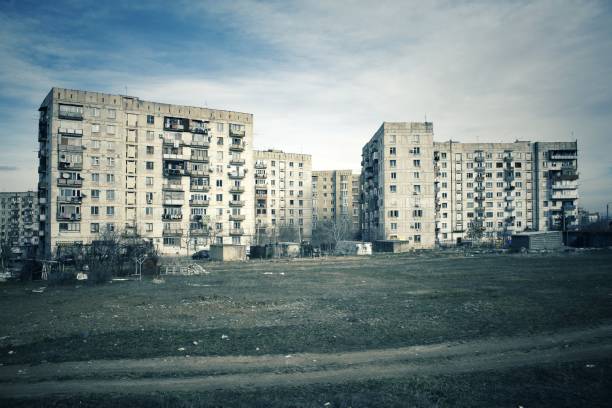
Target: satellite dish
{"type": "Point", "coordinates": [66, 175]}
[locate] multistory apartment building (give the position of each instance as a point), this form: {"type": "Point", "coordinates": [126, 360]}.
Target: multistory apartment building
{"type": "Point", "coordinates": [335, 197]}
{"type": "Point", "coordinates": [176, 175]}
{"type": "Point", "coordinates": [398, 184]}
{"type": "Point", "coordinates": [19, 221]}
{"type": "Point", "coordinates": [427, 192]}
{"type": "Point", "coordinates": [283, 195]}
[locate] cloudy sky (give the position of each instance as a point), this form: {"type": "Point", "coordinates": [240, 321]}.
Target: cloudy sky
{"type": "Point", "coordinates": [321, 76]}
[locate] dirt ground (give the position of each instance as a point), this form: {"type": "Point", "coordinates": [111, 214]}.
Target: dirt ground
{"type": "Point", "coordinates": [413, 327]}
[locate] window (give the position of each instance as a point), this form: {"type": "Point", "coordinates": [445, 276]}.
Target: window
{"type": "Point", "coordinates": [149, 165]}
{"type": "Point", "coordinates": [393, 188]}
{"type": "Point", "coordinates": [148, 211]}
{"type": "Point", "coordinates": [220, 128]}
{"type": "Point", "coordinates": [150, 135]}
{"type": "Point", "coordinates": [95, 193]}
{"type": "Point", "coordinates": [219, 197]}
{"type": "Point", "coordinates": [417, 213]}
{"type": "Point", "coordinates": [95, 144]}
{"type": "Point", "coordinates": [95, 112]}
{"type": "Point", "coordinates": [110, 195]}
{"type": "Point", "coordinates": [148, 181]}
{"type": "Point", "coordinates": [110, 161]}
{"type": "Point", "coordinates": [95, 210]}
{"type": "Point", "coordinates": [417, 238]}
{"type": "Point", "coordinates": [149, 196]}
{"type": "Point", "coordinates": [394, 225]}
{"type": "Point", "coordinates": [219, 183]}
{"type": "Point", "coordinates": [150, 119]}
{"type": "Point", "coordinates": [392, 163]}
{"type": "Point", "coordinates": [95, 160]}
{"type": "Point", "coordinates": [112, 114]}
{"type": "Point", "coordinates": [417, 188]}
{"type": "Point", "coordinates": [149, 227]}
{"type": "Point", "coordinates": [110, 211]}
{"type": "Point", "coordinates": [95, 177]}
{"type": "Point", "coordinates": [110, 178]}
{"type": "Point", "coordinates": [392, 151]}
{"type": "Point", "coordinates": [393, 175]}
{"type": "Point", "coordinates": [94, 228]}
{"type": "Point", "coordinates": [393, 213]}
{"type": "Point", "coordinates": [95, 128]}
{"type": "Point", "coordinates": [416, 163]}
{"type": "Point", "coordinates": [150, 150]}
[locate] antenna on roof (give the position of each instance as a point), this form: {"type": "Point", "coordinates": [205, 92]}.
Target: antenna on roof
{"type": "Point", "coordinates": [426, 118]}
{"type": "Point", "coordinates": [126, 90]}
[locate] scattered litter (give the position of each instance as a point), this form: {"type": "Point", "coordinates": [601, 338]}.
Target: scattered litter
{"type": "Point", "coordinates": [21, 372]}
{"type": "Point", "coordinates": [224, 337]}
{"type": "Point", "coordinates": [282, 273]}
{"type": "Point", "coordinates": [195, 343]}
{"type": "Point", "coordinates": [39, 290]}
{"type": "Point", "coordinates": [288, 356]}
{"type": "Point", "coordinates": [256, 348]}
{"type": "Point", "coordinates": [157, 281]}
{"type": "Point", "coordinates": [4, 337]}
{"type": "Point", "coordinates": [181, 349]}
{"type": "Point", "coordinates": [11, 352]}
{"type": "Point", "coordinates": [81, 276]}
{"type": "Point", "coordinates": [191, 269]}
{"type": "Point", "coordinates": [198, 285]}
{"type": "Point", "coordinates": [268, 273]}
{"type": "Point", "coordinates": [115, 316]}
{"type": "Point", "coordinates": [327, 404]}
{"type": "Point", "coordinates": [590, 366]}
{"type": "Point", "coordinates": [119, 279]}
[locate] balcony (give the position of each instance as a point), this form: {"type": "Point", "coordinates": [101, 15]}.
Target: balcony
{"type": "Point", "coordinates": [42, 217]}
{"type": "Point", "coordinates": [237, 162]}
{"type": "Point", "coordinates": [168, 141]}
{"type": "Point", "coordinates": [200, 159]}
{"type": "Point", "coordinates": [172, 201]}
{"type": "Point", "coordinates": [62, 165]}
{"type": "Point", "coordinates": [174, 172]}
{"type": "Point", "coordinates": [564, 186]}
{"type": "Point", "coordinates": [237, 217]}
{"type": "Point", "coordinates": [260, 165]}
{"type": "Point", "coordinates": [42, 200]}
{"type": "Point", "coordinates": [236, 174]}
{"type": "Point", "coordinates": [563, 155]}
{"type": "Point", "coordinates": [236, 231]}
{"type": "Point", "coordinates": [479, 198]}
{"type": "Point", "coordinates": [172, 231]}
{"type": "Point", "coordinates": [175, 156]}
{"type": "Point", "coordinates": [70, 148]}
{"type": "Point", "coordinates": [236, 203]}
{"type": "Point", "coordinates": [69, 182]}
{"type": "Point", "coordinates": [233, 132]}
{"type": "Point", "coordinates": [479, 189]}
{"type": "Point", "coordinates": [199, 232]}
{"type": "Point", "coordinates": [172, 187]}
{"type": "Point", "coordinates": [70, 132]}
{"type": "Point", "coordinates": [176, 124]}
{"type": "Point", "coordinates": [508, 176]}
{"type": "Point", "coordinates": [237, 147]}
{"type": "Point", "coordinates": [508, 159]}
{"type": "Point", "coordinates": [565, 195]}
{"type": "Point", "coordinates": [199, 127]}
{"type": "Point", "coordinates": [172, 217]}
{"type": "Point", "coordinates": [509, 187]}
{"type": "Point", "coordinates": [509, 208]}
{"type": "Point", "coordinates": [199, 172]}
{"type": "Point", "coordinates": [70, 115]}
{"type": "Point", "coordinates": [73, 200]}
{"type": "Point", "coordinates": [479, 159]}
{"type": "Point", "coordinates": [236, 189]}
{"type": "Point", "coordinates": [42, 169]}
{"type": "Point", "coordinates": [199, 187]}
{"type": "Point", "coordinates": [68, 217]}
{"type": "Point", "coordinates": [479, 169]}
{"type": "Point", "coordinates": [199, 203]}
{"type": "Point", "coordinates": [260, 175]}
{"type": "Point", "coordinates": [200, 143]}
{"type": "Point", "coordinates": [509, 198]}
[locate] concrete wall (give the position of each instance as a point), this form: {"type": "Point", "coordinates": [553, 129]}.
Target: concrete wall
{"type": "Point", "coordinates": [227, 252]}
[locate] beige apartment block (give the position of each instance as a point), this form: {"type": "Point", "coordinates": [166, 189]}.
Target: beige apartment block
{"type": "Point", "coordinates": [398, 200]}
{"type": "Point", "coordinates": [335, 197]}
{"type": "Point", "coordinates": [176, 175]}
{"type": "Point", "coordinates": [19, 221]}
{"type": "Point", "coordinates": [446, 192]}
{"type": "Point", "coordinates": [283, 196]}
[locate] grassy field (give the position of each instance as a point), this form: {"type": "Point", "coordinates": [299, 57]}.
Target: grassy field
{"type": "Point", "coordinates": [328, 306]}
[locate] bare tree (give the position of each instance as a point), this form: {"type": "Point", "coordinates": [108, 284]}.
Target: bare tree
{"type": "Point", "coordinates": [288, 233]}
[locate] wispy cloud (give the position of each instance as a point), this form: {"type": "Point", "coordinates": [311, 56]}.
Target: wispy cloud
{"type": "Point", "coordinates": [8, 168]}
{"type": "Point", "coordinates": [321, 76]}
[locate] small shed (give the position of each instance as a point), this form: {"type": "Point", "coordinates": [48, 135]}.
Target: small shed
{"type": "Point", "coordinates": [227, 252]}
{"type": "Point", "coordinates": [353, 248]}
{"type": "Point", "coordinates": [284, 250]}
{"type": "Point", "coordinates": [394, 246]}
{"type": "Point", "coordinates": [537, 240]}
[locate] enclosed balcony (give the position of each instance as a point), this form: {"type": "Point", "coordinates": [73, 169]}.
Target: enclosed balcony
{"type": "Point", "coordinates": [237, 217]}
{"type": "Point", "coordinates": [168, 216]}
{"type": "Point", "coordinates": [74, 200]}
{"type": "Point", "coordinates": [563, 155]}
{"type": "Point", "coordinates": [201, 158]}
{"type": "Point", "coordinates": [66, 165]}
{"type": "Point", "coordinates": [260, 164]}
{"type": "Point", "coordinates": [69, 182]}
{"type": "Point", "coordinates": [236, 174]}
{"type": "Point", "coordinates": [172, 187]}
{"type": "Point", "coordinates": [172, 231]}
{"type": "Point", "coordinates": [70, 132]}
{"type": "Point", "coordinates": [479, 169]}
{"type": "Point", "coordinates": [260, 175]}
{"type": "Point", "coordinates": [479, 159]}
{"type": "Point", "coordinates": [70, 112]}
{"type": "Point", "coordinates": [236, 203]}
{"type": "Point", "coordinates": [199, 127]}
{"type": "Point", "coordinates": [238, 161]}
{"type": "Point", "coordinates": [199, 232]}
{"type": "Point", "coordinates": [237, 147]}
{"type": "Point", "coordinates": [176, 124]}
{"type": "Point", "coordinates": [509, 198]}
{"type": "Point", "coordinates": [68, 216]}
{"type": "Point", "coordinates": [236, 189]}
{"type": "Point", "coordinates": [236, 130]}
{"type": "Point", "coordinates": [199, 187]}
{"type": "Point", "coordinates": [174, 172]}
{"type": "Point", "coordinates": [199, 202]}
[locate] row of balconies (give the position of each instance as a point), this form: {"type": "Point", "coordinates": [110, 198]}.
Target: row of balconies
{"type": "Point", "coordinates": [202, 231]}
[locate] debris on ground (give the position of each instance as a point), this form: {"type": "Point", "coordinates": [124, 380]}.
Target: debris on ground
{"type": "Point", "coordinates": [224, 337]}
{"type": "Point", "coordinates": [158, 281]}
{"type": "Point", "coordinates": [181, 349]}
{"type": "Point", "coordinates": [81, 276]}
{"type": "Point", "coordinates": [39, 290]}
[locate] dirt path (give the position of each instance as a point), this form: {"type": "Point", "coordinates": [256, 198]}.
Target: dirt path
{"type": "Point", "coordinates": [210, 373]}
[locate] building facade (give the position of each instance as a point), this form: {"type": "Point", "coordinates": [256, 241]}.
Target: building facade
{"type": "Point", "coordinates": [283, 196]}
{"type": "Point", "coordinates": [19, 222]}
{"type": "Point", "coordinates": [427, 193]}
{"type": "Point", "coordinates": [176, 175]}
{"type": "Point", "coordinates": [335, 198]}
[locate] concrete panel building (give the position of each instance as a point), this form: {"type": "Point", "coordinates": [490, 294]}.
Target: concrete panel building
{"type": "Point", "coordinates": [428, 193]}
{"type": "Point", "coordinates": [335, 197]}
{"type": "Point", "coordinates": [176, 175]}
{"type": "Point", "coordinates": [19, 222]}
{"type": "Point", "coordinates": [283, 196]}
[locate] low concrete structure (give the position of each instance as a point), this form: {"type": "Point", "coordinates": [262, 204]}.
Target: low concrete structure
{"type": "Point", "coordinates": [537, 240]}
{"type": "Point", "coordinates": [353, 248]}
{"type": "Point", "coordinates": [283, 250]}
{"type": "Point", "coordinates": [394, 246]}
{"type": "Point", "coordinates": [227, 252]}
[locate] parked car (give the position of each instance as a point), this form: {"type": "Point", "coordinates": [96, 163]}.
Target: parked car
{"type": "Point", "coordinates": [203, 254]}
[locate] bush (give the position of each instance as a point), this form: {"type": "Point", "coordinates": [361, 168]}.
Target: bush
{"type": "Point", "coordinates": [30, 270]}
{"type": "Point", "coordinates": [64, 277]}
{"type": "Point", "coordinates": [99, 273]}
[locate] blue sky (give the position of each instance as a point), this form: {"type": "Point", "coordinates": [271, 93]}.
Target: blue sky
{"type": "Point", "coordinates": [321, 76]}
